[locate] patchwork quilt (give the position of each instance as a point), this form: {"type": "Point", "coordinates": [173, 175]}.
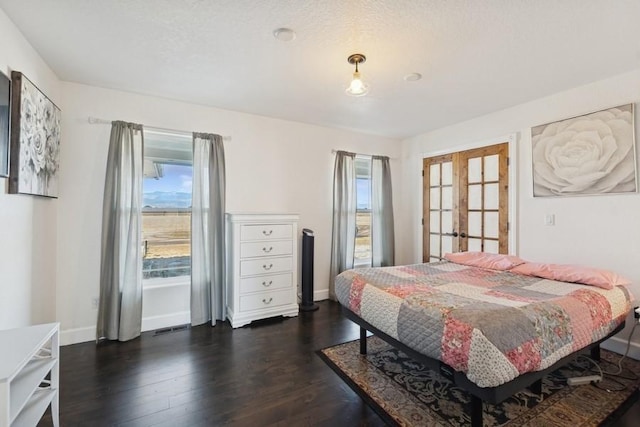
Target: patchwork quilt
{"type": "Point", "coordinates": [491, 325]}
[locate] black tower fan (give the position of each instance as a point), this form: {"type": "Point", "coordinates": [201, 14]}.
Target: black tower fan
{"type": "Point", "coordinates": [307, 303]}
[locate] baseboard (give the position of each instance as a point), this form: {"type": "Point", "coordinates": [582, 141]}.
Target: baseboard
{"type": "Point", "coordinates": [619, 345]}
{"type": "Point", "coordinates": [321, 295]}
{"type": "Point", "coordinates": [78, 335]}
{"type": "Point", "coordinates": [166, 320]}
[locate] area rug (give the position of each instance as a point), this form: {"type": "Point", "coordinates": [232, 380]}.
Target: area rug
{"type": "Point", "coordinates": [405, 393]}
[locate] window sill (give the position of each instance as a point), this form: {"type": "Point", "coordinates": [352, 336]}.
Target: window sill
{"type": "Point", "coordinates": [166, 282]}
{"type": "Point", "coordinates": [362, 264]}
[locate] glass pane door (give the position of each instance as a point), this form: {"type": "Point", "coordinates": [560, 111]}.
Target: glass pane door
{"type": "Point", "coordinates": [483, 212]}
{"type": "Point", "coordinates": [466, 202]}
{"type": "Point", "coordinates": [440, 220]}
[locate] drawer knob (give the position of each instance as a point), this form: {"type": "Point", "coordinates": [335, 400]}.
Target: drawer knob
{"type": "Point", "coordinates": [267, 301]}
{"type": "Point", "coordinates": [267, 250]}
{"type": "Point", "coordinates": [267, 268]}
{"type": "Point", "coordinates": [267, 233]}
{"type": "Point", "coordinates": [266, 285]}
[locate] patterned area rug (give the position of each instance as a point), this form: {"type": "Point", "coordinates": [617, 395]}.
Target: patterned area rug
{"type": "Point", "coordinates": [405, 393]}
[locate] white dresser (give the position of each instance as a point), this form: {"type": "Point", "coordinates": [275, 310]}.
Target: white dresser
{"type": "Point", "coordinates": [27, 356]}
{"type": "Point", "coordinates": [262, 266]}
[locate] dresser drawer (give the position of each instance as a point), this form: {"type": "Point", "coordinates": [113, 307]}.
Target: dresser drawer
{"type": "Point", "coordinates": [266, 232]}
{"type": "Point", "coordinates": [265, 265]}
{"type": "Point", "coordinates": [265, 283]}
{"type": "Point", "coordinates": [264, 300]}
{"type": "Point", "coordinates": [262, 249]}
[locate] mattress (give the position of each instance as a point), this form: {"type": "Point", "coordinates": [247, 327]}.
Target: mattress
{"type": "Point", "coordinates": [491, 325]}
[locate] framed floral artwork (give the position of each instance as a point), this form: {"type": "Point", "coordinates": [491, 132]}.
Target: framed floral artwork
{"type": "Point", "coordinates": [5, 102]}
{"type": "Point", "coordinates": [35, 140]}
{"type": "Point", "coordinates": [586, 155]}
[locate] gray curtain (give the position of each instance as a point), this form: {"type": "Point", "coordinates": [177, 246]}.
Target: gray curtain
{"type": "Point", "coordinates": [382, 234]}
{"type": "Point", "coordinates": [344, 217]}
{"type": "Point", "coordinates": [120, 308]}
{"type": "Point", "coordinates": [207, 230]}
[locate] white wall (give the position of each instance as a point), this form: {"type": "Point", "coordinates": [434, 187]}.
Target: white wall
{"type": "Point", "coordinates": [602, 231]}
{"type": "Point", "coordinates": [49, 257]}
{"type": "Point", "coordinates": [27, 223]}
{"type": "Point", "coordinates": [271, 165]}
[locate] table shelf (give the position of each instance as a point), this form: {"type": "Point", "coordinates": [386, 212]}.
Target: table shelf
{"type": "Point", "coordinates": [35, 407]}
{"type": "Point", "coordinates": [27, 382]}
{"type": "Point", "coordinates": [29, 375]}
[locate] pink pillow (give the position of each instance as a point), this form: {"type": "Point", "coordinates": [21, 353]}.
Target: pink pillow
{"type": "Point", "coordinates": [604, 279]}
{"type": "Point", "coordinates": [485, 260]}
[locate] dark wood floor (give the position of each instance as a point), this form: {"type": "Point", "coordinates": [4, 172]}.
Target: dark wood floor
{"type": "Point", "coordinates": [263, 375]}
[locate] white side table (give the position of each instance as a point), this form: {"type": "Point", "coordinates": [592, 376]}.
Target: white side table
{"type": "Point", "coordinates": [27, 355]}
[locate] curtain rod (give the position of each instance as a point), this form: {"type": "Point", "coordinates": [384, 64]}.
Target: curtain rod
{"type": "Point", "coordinates": [334, 151]}
{"type": "Point", "coordinates": [154, 129]}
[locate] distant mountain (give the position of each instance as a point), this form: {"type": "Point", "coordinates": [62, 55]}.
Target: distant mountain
{"type": "Point", "coordinates": [166, 199]}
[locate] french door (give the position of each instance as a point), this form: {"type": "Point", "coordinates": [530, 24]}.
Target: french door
{"type": "Point", "coordinates": [465, 197]}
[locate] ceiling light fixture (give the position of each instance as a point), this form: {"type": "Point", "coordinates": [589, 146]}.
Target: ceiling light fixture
{"type": "Point", "coordinates": [413, 77]}
{"type": "Point", "coordinates": [357, 86]}
{"type": "Point", "coordinates": [284, 34]}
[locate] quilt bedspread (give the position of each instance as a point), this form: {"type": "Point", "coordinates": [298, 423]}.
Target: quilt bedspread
{"type": "Point", "coordinates": [491, 325]}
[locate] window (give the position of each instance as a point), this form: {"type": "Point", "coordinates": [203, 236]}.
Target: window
{"type": "Point", "coordinates": [362, 255]}
{"type": "Point", "coordinates": [166, 213]}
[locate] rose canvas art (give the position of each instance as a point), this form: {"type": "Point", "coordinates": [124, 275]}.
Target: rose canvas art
{"type": "Point", "coordinates": [35, 140]}
{"type": "Point", "coordinates": [589, 154]}
{"type": "Point", "coordinates": [5, 102]}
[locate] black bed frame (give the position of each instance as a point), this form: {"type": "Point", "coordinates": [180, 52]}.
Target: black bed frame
{"type": "Point", "coordinates": [493, 395]}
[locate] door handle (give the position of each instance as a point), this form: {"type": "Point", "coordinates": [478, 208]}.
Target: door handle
{"type": "Point", "coordinates": [455, 233]}
{"type": "Point", "coordinates": [463, 234]}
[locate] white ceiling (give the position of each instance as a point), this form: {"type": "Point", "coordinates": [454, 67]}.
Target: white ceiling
{"type": "Point", "coordinates": [476, 56]}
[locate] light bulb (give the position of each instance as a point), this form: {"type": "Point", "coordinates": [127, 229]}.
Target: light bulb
{"type": "Point", "coordinates": [357, 86]}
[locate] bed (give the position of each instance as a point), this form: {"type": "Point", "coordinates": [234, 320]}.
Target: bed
{"type": "Point", "coordinates": [492, 331]}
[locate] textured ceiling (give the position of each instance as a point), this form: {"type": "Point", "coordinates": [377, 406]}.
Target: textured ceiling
{"type": "Point", "coordinates": [475, 56]}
